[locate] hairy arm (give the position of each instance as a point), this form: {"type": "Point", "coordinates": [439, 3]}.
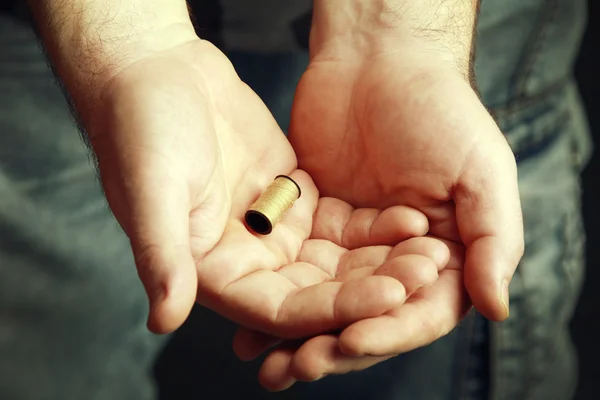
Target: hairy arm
{"type": "Point", "coordinates": [89, 41]}
{"type": "Point", "coordinates": [443, 27]}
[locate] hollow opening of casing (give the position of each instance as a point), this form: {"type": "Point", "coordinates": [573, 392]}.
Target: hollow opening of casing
{"type": "Point", "coordinates": [258, 222]}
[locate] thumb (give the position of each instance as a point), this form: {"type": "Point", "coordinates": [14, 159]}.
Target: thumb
{"type": "Point", "coordinates": [488, 212]}
{"type": "Point", "coordinates": [155, 214]}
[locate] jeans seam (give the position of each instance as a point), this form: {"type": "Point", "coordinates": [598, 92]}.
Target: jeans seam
{"type": "Point", "coordinates": [533, 48]}
{"type": "Point", "coordinates": [544, 138]}
{"type": "Point", "coordinates": [527, 318]}
{"type": "Point", "coordinates": [520, 103]}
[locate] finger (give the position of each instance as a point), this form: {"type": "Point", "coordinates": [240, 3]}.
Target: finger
{"type": "Point", "coordinates": [268, 301]}
{"type": "Point", "coordinates": [435, 249]}
{"type": "Point", "coordinates": [158, 227]}
{"type": "Point", "coordinates": [330, 219]}
{"type": "Point", "coordinates": [442, 220]}
{"type": "Point", "coordinates": [324, 254]}
{"type": "Point", "coordinates": [338, 262]}
{"type": "Point", "coordinates": [372, 256]}
{"type": "Point", "coordinates": [169, 277]}
{"type": "Point", "coordinates": [430, 314]}
{"type": "Point", "coordinates": [250, 291]}
{"type": "Point", "coordinates": [321, 356]}
{"type": "Point", "coordinates": [249, 344]}
{"type": "Point", "coordinates": [340, 223]}
{"type": "Point", "coordinates": [368, 227]}
{"type": "Point", "coordinates": [489, 218]}
{"type": "Point", "coordinates": [409, 262]}
{"type": "Point", "coordinates": [319, 308]}
{"type": "Point", "coordinates": [312, 361]}
{"type": "Point", "coordinates": [274, 374]}
{"type": "Point", "coordinates": [155, 182]}
{"type": "Point", "coordinates": [457, 254]}
{"type": "Point", "coordinates": [414, 271]}
{"type": "Point", "coordinates": [356, 273]}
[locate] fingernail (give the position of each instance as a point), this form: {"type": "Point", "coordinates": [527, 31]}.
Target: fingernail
{"type": "Point", "coordinates": [504, 297]}
{"type": "Point", "coordinates": [319, 378]}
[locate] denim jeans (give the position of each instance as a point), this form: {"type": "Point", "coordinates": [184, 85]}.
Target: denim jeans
{"type": "Point", "coordinates": [72, 309]}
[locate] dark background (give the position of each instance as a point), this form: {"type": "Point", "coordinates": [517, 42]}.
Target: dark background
{"type": "Point", "coordinates": [185, 358]}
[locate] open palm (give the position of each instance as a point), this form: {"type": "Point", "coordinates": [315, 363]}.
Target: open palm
{"type": "Point", "coordinates": [290, 286]}
{"type": "Point", "coordinates": [401, 129]}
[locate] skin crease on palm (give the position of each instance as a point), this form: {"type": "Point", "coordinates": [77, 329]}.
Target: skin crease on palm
{"type": "Point", "coordinates": [221, 156]}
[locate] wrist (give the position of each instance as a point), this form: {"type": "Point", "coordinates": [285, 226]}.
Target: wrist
{"type": "Point", "coordinates": [90, 42]}
{"type": "Point", "coordinates": [437, 30]}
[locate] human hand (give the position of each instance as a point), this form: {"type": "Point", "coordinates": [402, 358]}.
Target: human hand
{"type": "Point", "coordinates": [378, 122]}
{"type": "Point", "coordinates": [432, 309]}
{"type": "Point", "coordinates": [429, 313]}
{"type": "Point", "coordinates": [420, 138]}
{"type": "Point", "coordinates": [386, 114]}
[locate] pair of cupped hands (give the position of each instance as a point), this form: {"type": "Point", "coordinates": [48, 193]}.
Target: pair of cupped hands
{"type": "Point", "coordinates": [409, 213]}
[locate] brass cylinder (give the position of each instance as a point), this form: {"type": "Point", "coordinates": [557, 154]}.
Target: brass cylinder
{"type": "Point", "coordinates": [267, 211]}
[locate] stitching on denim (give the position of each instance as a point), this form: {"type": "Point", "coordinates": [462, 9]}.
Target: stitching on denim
{"type": "Point", "coordinates": [545, 21]}
{"type": "Point", "coordinates": [518, 104]}
{"type": "Point", "coordinates": [528, 357]}
{"type": "Point", "coordinates": [567, 254]}
{"type": "Point", "coordinates": [544, 138]}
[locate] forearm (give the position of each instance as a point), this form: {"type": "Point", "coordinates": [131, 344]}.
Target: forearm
{"type": "Point", "coordinates": [443, 26]}
{"type": "Point", "coordinates": [90, 41]}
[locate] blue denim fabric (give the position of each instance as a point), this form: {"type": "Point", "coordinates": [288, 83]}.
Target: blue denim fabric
{"type": "Point", "coordinates": [71, 306]}
{"type": "Point", "coordinates": [526, 50]}
{"type": "Point", "coordinates": [72, 309]}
